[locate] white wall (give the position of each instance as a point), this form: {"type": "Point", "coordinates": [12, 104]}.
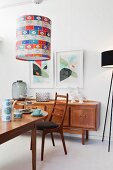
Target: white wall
{"type": "Point", "coordinates": [76, 24]}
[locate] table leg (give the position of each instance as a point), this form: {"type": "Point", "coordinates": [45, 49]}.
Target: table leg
{"type": "Point", "coordinates": [83, 133]}
{"type": "Point", "coordinates": [33, 136]}
{"type": "Point", "coordinates": [87, 135]}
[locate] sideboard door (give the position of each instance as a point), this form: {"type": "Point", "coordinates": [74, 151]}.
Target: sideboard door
{"type": "Point", "coordinates": [83, 117]}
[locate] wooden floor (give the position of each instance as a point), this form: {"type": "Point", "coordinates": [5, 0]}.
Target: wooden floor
{"type": "Point", "coordinates": [15, 155]}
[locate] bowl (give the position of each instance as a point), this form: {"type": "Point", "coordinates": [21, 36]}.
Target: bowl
{"type": "Point", "coordinates": [42, 97]}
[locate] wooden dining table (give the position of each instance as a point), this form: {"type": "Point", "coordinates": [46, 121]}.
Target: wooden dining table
{"type": "Point", "coordinates": [16, 127]}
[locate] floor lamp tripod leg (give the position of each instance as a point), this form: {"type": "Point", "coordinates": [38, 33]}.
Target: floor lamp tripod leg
{"type": "Point", "coordinates": [110, 125]}
{"type": "Point", "coordinates": [107, 107]}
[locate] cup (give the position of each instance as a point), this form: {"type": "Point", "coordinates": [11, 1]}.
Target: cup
{"type": "Point", "coordinates": [17, 114]}
{"type": "Point", "coordinates": [38, 111]}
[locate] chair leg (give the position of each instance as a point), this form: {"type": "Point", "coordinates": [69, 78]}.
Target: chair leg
{"type": "Point", "coordinates": [42, 148]}
{"type": "Point", "coordinates": [63, 142]}
{"type": "Point", "coordinates": [52, 139]}
{"type": "Point", "coordinates": [31, 145]}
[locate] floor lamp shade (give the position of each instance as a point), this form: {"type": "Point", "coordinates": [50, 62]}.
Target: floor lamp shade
{"type": "Point", "coordinates": [33, 38]}
{"type": "Point", "coordinates": [107, 59]}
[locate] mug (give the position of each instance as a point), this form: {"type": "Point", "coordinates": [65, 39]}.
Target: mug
{"type": "Point", "coordinates": [17, 114]}
{"type": "Point", "coordinates": [36, 112]}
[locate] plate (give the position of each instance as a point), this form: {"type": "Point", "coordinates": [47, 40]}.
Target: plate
{"type": "Point", "coordinates": [26, 111]}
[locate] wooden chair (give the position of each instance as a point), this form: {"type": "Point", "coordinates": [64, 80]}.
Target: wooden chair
{"type": "Point", "coordinates": [50, 126]}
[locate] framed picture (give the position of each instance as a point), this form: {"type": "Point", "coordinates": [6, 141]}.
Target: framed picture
{"type": "Point", "coordinates": [41, 74]}
{"type": "Point", "coordinates": [69, 69]}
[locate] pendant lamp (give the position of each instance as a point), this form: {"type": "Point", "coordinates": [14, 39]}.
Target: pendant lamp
{"type": "Point", "coordinates": [33, 38]}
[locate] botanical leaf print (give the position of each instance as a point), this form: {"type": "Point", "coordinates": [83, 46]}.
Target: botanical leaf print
{"type": "Point", "coordinates": [74, 74]}
{"type": "Point", "coordinates": [63, 62]}
{"type": "Point", "coordinates": [65, 73]}
{"type": "Point", "coordinates": [44, 74]}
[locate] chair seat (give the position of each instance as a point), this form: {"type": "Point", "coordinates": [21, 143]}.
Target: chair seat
{"type": "Point", "coordinates": [46, 125]}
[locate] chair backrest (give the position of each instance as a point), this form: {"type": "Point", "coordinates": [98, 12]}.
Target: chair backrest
{"type": "Point", "coordinates": [59, 109]}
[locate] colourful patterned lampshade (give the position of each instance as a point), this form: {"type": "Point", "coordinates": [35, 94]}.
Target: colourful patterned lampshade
{"type": "Point", "coordinates": [33, 38]}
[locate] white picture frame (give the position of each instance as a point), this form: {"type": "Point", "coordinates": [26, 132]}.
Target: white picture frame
{"type": "Point", "coordinates": [41, 74]}
{"type": "Point", "coordinates": [69, 69]}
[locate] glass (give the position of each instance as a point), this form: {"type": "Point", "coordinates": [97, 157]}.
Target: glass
{"type": "Point", "coordinates": [80, 96]}
{"type": "Point", "coordinates": [72, 95]}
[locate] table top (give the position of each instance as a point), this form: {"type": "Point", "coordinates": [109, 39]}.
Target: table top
{"type": "Point", "coordinates": [16, 123]}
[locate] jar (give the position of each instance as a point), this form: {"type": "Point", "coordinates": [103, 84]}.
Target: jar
{"type": "Point", "coordinates": [19, 90]}
{"type": "Point", "coordinates": [7, 110]}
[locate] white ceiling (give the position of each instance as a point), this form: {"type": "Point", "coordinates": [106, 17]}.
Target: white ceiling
{"type": "Point", "coordinates": [10, 3]}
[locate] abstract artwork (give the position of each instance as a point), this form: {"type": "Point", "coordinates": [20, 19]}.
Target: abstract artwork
{"type": "Point", "coordinates": [69, 69]}
{"type": "Point", "coordinates": [41, 74]}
